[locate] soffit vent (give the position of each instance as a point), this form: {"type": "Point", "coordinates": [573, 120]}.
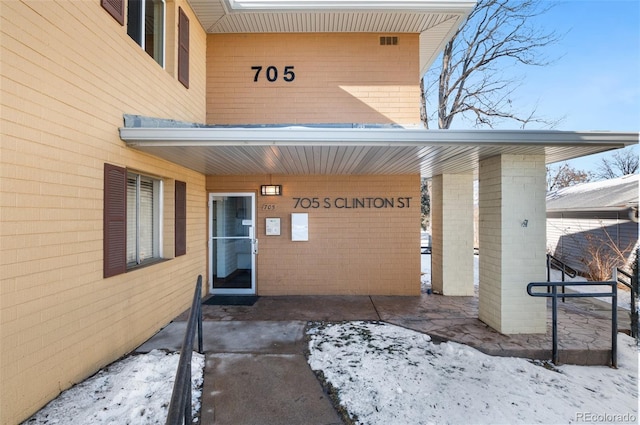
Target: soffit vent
{"type": "Point", "coordinates": [388, 41]}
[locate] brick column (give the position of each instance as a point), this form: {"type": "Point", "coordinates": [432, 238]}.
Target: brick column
{"type": "Point", "coordinates": [512, 238]}
{"type": "Point", "coordinates": [452, 238]}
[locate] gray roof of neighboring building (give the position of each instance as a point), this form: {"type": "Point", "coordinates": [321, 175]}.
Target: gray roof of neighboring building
{"type": "Point", "coordinates": [614, 194]}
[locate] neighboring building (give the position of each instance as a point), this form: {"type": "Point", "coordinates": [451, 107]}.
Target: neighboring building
{"type": "Point", "coordinates": [136, 137]}
{"type": "Point", "coordinates": [594, 217]}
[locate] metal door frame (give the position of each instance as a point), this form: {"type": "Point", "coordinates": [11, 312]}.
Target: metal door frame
{"type": "Point", "coordinates": [251, 237]}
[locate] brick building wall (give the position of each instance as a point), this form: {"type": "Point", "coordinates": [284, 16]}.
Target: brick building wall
{"type": "Point", "coordinates": [337, 78]}
{"type": "Point", "coordinates": [363, 250]}
{"type": "Point", "coordinates": [69, 73]}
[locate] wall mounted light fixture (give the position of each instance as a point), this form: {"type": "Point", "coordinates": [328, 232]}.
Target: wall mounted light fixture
{"type": "Point", "coordinates": [271, 190]}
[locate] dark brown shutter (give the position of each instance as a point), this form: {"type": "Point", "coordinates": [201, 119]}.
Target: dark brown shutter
{"type": "Point", "coordinates": [183, 48]}
{"type": "Point", "coordinates": [181, 218]}
{"type": "Point", "coordinates": [115, 9]}
{"type": "Point", "coordinates": [115, 220]}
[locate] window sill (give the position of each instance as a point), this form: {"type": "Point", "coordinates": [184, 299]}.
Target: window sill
{"type": "Point", "coordinates": [147, 264]}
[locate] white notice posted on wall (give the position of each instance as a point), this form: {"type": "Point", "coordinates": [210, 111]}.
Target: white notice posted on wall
{"type": "Point", "coordinates": [272, 226]}
{"type": "Point", "coordinates": [299, 227]}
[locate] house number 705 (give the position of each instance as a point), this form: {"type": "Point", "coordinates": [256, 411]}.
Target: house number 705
{"type": "Point", "coordinates": [271, 73]}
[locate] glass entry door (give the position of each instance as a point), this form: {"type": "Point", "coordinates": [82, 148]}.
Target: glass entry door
{"type": "Point", "coordinates": [232, 243]}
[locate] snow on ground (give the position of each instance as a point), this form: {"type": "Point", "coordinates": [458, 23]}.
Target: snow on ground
{"type": "Point", "coordinates": [136, 390]}
{"type": "Point", "coordinates": [624, 295]}
{"type": "Point", "coordinates": [384, 374]}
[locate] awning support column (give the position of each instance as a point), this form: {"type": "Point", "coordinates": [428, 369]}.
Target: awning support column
{"type": "Point", "coordinates": [452, 238]}
{"type": "Point", "coordinates": [512, 239]}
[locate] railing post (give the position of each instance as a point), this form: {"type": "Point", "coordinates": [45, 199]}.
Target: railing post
{"type": "Point", "coordinates": [564, 269]}
{"type": "Point", "coordinates": [554, 309]}
{"type": "Point", "coordinates": [200, 318]}
{"type": "Point", "coordinates": [634, 295]}
{"type": "Point", "coordinates": [548, 272]}
{"type": "Point", "coordinates": [554, 323]}
{"type": "Point", "coordinates": [614, 318]}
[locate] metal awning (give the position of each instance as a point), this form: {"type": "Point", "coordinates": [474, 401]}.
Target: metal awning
{"type": "Point", "coordinates": [334, 151]}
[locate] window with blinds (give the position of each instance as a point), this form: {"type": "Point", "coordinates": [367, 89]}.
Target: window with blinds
{"type": "Point", "coordinates": [133, 219]}
{"type": "Point", "coordinates": [143, 219]}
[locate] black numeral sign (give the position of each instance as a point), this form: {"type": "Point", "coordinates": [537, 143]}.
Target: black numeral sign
{"type": "Point", "coordinates": [271, 73]}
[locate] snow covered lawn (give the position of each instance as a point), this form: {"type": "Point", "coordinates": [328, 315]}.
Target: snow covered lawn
{"type": "Point", "coordinates": [136, 390]}
{"type": "Point", "coordinates": [385, 374]}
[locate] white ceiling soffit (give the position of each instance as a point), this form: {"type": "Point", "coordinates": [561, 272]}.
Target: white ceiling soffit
{"type": "Point", "coordinates": [434, 20]}
{"type": "Point", "coordinates": [216, 151]}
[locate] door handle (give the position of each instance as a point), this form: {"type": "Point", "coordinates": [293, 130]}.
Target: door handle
{"type": "Point", "coordinates": [254, 244]}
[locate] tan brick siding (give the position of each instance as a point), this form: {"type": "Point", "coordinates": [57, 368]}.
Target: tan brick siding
{"type": "Point", "coordinates": [512, 189]}
{"type": "Point", "coordinates": [339, 78]}
{"type": "Point", "coordinates": [69, 72]}
{"type": "Point", "coordinates": [357, 251]}
{"type": "Point", "coordinates": [452, 224]}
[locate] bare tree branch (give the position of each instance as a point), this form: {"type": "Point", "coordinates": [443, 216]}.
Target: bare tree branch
{"type": "Point", "coordinates": [497, 35]}
{"type": "Point", "coordinates": [564, 175]}
{"type": "Point", "coordinates": [620, 164]}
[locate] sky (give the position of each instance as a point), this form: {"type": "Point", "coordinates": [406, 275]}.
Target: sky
{"type": "Point", "coordinates": [595, 82]}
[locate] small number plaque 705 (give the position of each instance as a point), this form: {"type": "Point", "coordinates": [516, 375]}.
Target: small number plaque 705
{"type": "Point", "coordinates": [271, 73]}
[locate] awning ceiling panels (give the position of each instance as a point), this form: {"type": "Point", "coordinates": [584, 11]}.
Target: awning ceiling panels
{"type": "Point", "coordinates": [216, 151]}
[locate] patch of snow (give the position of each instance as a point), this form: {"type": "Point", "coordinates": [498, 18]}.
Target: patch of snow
{"type": "Point", "coordinates": [136, 390]}
{"type": "Point", "coordinates": [591, 186]}
{"type": "Point", "coordinates": [624, 295]}
{"type": "Point", "coordinates": [384, 374]}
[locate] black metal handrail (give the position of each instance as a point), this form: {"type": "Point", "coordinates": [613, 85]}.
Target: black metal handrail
{"type": "Point", "coordinates": [632, 284]}
{"type": "Point", "coordinates": [554, 308]}
{"type": "Point", "coordinates": [559, 265]}
{"type": "Point", "coordinates": [564, 269]}
{"type": "Point", "coordinates": [180, 407]}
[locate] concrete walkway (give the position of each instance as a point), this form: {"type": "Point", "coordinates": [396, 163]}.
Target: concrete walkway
{"type": "Point", "coordinates": [256, 371]}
